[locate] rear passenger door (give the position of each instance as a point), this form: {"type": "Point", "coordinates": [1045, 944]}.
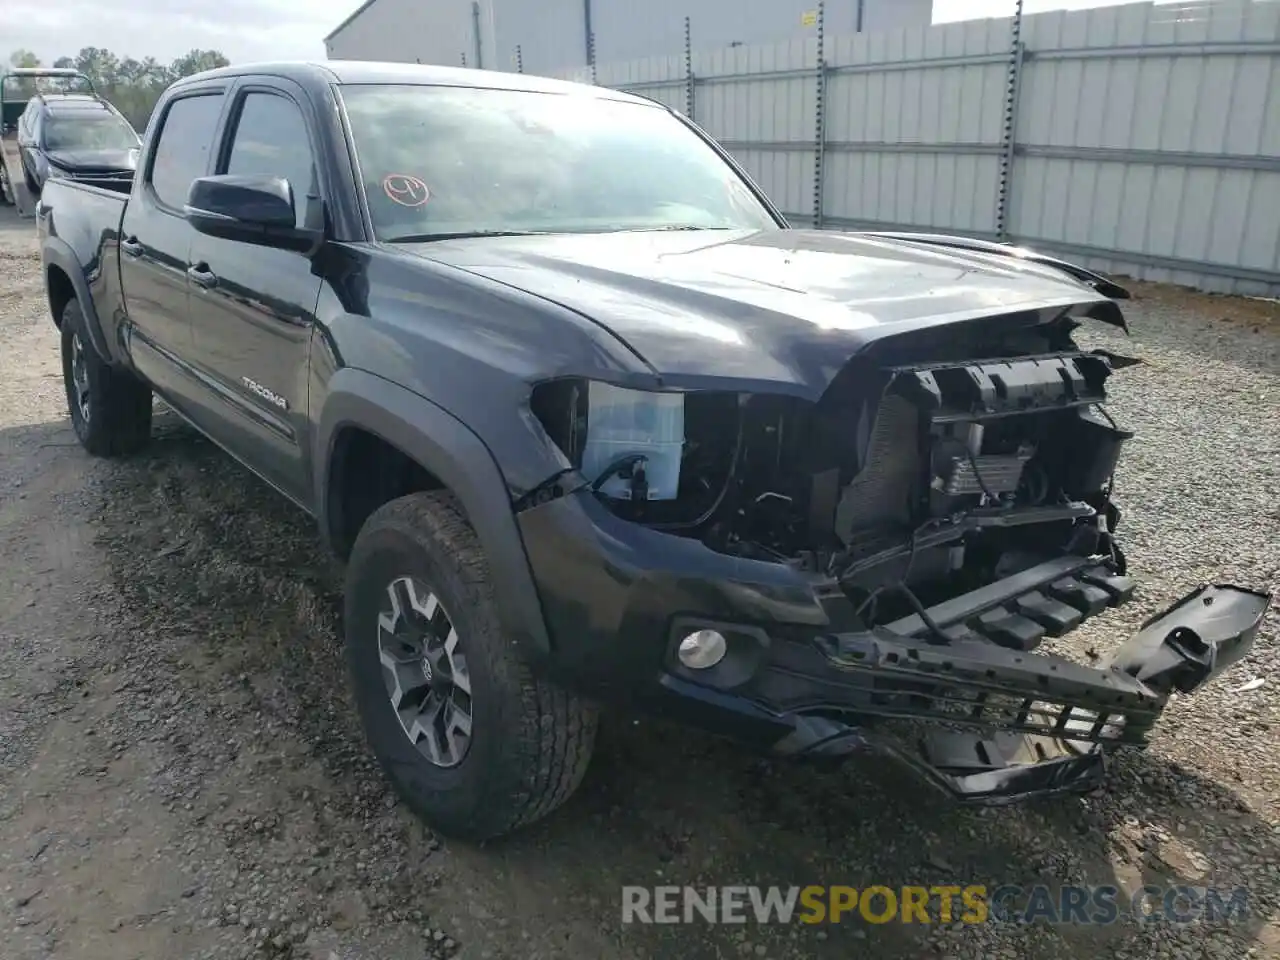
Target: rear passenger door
{"type": "Point", "coordinates": [156, 239]}
{"type": "Point", "coordinates": [253, 307]}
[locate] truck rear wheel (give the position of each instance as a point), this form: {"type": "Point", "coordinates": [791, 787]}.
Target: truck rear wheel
{"type": "Point", "coordinates": [110, 408]}
{"type": "Point", "coordinates": [475, 744]}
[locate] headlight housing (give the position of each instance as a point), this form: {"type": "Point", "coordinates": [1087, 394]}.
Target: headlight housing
{"type": "Point", "coordinates": [664, 457]}
{"type": "Point", "coordinates": [634, 441]}
{"type": "Point", "coordinates": [628, 443]}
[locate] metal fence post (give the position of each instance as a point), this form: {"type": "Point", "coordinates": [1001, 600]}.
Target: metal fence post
{"type": "Point", "coordinates": [591, 55]}
{"type": "Point", "coordinates": [475, 25]}
{"type": "Point", "coordinates": [688, 69]}
{"type": "Point", "coordinates": [1012, 90]}
{"type": "Point", "coordinates": [820, 120]}
{"type": "Point", "coordinates": [519, 60]}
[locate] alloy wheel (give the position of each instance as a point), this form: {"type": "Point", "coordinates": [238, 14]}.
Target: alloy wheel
{"type": "Point", "coordinates": [425, 672]}
{"type": "Point", "coordinates": [80, 377]}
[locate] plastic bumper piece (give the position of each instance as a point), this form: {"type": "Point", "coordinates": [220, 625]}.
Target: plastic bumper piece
{"type": "Point", "coordinates": [1047, 721]}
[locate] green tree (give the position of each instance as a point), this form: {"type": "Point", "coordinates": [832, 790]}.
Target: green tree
{"type": "Point", "coordinates": [99, 65]}
{"type": "Point", "coordinates": [197, 61]}
{"type": "Point", "coordinates": [21, 89]}
{"type": "Point", "coordinates": [132, 85]}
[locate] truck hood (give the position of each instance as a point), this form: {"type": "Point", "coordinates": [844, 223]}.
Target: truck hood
{"type": "Point", "coordinates": [786, 307]}
{"type": "Point", "coordinates": [94, 161]}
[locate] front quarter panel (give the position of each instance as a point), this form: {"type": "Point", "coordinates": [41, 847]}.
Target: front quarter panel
{"type": "Point", "coordinates": [471, 346]}
{"type": "Point", "coordinates": [456, 456]}
{"type": "Point", "coordinates": [440, 364]}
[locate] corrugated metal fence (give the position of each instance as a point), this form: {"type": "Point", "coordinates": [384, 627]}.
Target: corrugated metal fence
{"type": "Point", "coordinates": [1136, 139]}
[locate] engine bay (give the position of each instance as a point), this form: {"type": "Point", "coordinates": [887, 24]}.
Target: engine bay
{"type": "Point", "coordinates": [921, 473]}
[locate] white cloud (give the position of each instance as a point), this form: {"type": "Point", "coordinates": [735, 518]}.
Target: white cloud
{"type": "Point", "coordinates": [946, 11]}
{"type": "Point", "coordinates": [244, 30]}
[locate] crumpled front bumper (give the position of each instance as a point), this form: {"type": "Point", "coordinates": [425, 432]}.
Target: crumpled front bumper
{"type": "Point", "coordinates": [985, 715]}
{"type": "Point", "coordinates": [1063, 715]}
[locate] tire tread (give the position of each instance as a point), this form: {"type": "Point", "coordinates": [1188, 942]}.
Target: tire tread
{"type": "Point", "coordinates": [120, 415]}
{"type": "Point", "coordinates": [556, 729]}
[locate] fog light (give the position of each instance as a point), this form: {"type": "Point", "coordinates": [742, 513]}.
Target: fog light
{"type": "Point", "coordinates": [702, 649]}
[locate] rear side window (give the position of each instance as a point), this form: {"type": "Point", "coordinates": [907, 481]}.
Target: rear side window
{"type": "Point", "coordinates": [271, 140]}
{"type": "Point", "coordinates": [182, 152]}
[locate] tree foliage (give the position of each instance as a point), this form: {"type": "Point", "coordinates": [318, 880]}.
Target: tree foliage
{"type": "Point", "coordinates": [132, 85]}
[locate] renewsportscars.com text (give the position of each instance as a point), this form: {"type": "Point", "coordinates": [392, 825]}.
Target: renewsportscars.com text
{"type": "Point", "coordinates": [940, 903]}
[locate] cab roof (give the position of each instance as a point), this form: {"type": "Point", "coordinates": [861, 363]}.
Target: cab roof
{"type": "Point", "coordinates": [371, 72]}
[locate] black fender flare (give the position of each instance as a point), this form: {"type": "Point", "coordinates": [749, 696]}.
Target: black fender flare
{"type": "Point", "coordinates": [453, 453]}
{"type": "Point", "coordinates": [58, 253]}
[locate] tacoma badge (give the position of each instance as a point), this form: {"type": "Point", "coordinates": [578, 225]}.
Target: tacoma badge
{"type": "Point", "coordinates": [265, 394]}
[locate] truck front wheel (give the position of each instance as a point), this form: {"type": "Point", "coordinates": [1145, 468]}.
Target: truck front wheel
{"type": "Point", "coordinates": [475, 744]}
{"type": "Point", "coordinates": [110, 409]}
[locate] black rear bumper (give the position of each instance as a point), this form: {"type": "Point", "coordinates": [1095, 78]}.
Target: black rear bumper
{"type": "Point", "coordinates": [980, 715]}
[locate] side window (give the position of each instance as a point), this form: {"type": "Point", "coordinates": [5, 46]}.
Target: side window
{"type": "Point", "coordinates": [182, 152]}
{"type": "Point", "coordinates": [271, 140]}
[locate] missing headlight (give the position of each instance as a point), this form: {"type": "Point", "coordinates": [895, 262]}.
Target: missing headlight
{"type": "Point", "coordinates": [665, 459]}
{"type": "Point", "coordinates": [634, 442]}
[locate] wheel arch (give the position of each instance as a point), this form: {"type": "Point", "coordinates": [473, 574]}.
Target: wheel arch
{"type": "Point", "coordinates": [454, 459]}
{"type": "Point", "coordinates": [64, 281]}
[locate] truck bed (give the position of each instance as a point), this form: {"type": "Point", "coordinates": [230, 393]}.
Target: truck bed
{"type": "Point", "coordinates": [100, 207]}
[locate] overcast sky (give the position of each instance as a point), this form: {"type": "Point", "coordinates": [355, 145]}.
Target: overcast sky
{"type": "Point", "coordinates": [164, 29]}
{"type": "Point", "coordinates": [255, 29]}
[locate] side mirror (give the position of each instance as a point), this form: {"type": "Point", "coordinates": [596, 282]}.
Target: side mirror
{"type": "Point", "coordinates": [251, 209]}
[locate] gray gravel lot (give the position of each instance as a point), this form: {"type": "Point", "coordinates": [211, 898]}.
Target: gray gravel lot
{"type": "Point", "coordinates": [182, 775]}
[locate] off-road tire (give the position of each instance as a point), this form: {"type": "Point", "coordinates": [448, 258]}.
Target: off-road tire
{"type": "Point", "coordinates": [531, 741]}
{"type": "Point", "coordinates": [119, 408]}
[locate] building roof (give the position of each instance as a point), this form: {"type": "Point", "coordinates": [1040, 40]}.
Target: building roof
{"type": "Point", "coordinates": [354, 13]}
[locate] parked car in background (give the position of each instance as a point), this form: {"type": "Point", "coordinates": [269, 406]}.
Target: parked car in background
{"type": "Point", "coordinates": [76, 136]}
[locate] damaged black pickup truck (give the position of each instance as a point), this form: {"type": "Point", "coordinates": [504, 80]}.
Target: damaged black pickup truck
{"type": "Point", "coordinates": [590, 423]}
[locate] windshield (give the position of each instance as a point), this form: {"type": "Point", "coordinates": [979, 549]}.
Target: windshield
{"type": "Point", "coordinates": [88, 133]}
{"type": "Point", "coordinates": [444, 161]}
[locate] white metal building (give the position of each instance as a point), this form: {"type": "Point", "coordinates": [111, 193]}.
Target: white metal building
{"type": "Point", "coordinates": [553, 35]}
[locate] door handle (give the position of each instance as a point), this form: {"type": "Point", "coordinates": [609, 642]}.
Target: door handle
{"type": "Point", "coordinates": [202, 276]}
{"type": "Point", "coordinates": [130, 247]}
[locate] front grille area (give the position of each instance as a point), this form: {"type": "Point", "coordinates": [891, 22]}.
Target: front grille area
{"type": "Point", "coordinates": [987, 678]}
{"type": "Point", "coordinates": [995, 473]}
{"type": "Point", "coordinates": [879, 496]}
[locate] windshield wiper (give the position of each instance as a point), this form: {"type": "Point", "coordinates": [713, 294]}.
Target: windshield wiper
{"type": "Point", "coordinates": [462, 235]}
{"type": "Point", "coordinates": [673, 226]}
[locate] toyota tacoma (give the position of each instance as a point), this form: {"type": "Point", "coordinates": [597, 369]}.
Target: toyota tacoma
{"type": "Point", "coordinates": [589, 423]}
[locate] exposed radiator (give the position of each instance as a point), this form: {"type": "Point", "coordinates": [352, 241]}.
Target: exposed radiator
{"type": "Point", "coordinates": [879, 497]}
{"type": "Point", "coordinates": [997, 473]}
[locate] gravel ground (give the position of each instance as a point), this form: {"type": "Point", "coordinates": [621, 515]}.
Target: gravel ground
{"type": "Point", "coordinates": [182, 775]}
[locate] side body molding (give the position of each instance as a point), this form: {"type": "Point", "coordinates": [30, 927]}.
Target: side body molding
{"type": "Point", "coordinates": [447, 448]}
